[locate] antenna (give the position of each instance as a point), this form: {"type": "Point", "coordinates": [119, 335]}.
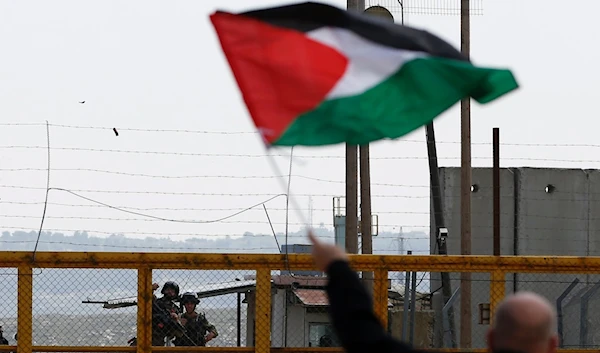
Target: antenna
{"type": "Point", "coordinates": [401, 243]}
{"type": "Point", "coordinates": [310, 211]}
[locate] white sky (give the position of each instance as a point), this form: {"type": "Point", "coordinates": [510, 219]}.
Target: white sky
{"type": "Point", "coordinates": [157, 65]}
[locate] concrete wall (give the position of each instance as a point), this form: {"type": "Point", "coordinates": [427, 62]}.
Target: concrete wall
{"type": "Point", "coordinates": [295, 323]}
{"type": "Point", "coordinates": [278, 317]}
{"type": "Point", "coordinates": [296, 331]}
{"type": "Point", "coordinates": [482, 242]}
{"type": "Point", "coordinates": [533, 222]}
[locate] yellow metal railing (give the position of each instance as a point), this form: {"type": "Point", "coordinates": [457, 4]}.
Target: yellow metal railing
{"type": "Point", "coordinates": [263, 264]}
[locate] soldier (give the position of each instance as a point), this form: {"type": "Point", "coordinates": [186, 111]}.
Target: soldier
{"type": "Point", "coordinates": [2, 339]}
{"type": "Point", "coordinates": [195, 324]}
{"type": "Point", "coordinates": [165, 315]}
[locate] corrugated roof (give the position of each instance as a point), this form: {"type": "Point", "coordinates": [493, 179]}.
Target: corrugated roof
{"type": "Point", "coordinates": [312, 297]}
{"type": "Point", "coordinates": [213, 289]}
{"type": "Point", "coordinates": [316, 297]}
{"type": "Point", "coordinates": [286, 280]}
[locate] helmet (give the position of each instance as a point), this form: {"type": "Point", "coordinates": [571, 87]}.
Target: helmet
{"type": "Point", "coordinates": [189, 297]}
{"type": "Point", "coordinates": [172, 285]}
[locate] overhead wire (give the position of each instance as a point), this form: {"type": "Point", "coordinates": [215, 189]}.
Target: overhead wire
{"type": "Point", "coordinates": [163, 218]}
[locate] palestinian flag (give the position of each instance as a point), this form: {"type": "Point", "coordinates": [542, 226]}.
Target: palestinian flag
{"type": "Point", "coordinates": [312, 74]}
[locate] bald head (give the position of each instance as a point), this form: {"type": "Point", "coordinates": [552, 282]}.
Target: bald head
{"type": "Point", "coordinates": [524, 322]}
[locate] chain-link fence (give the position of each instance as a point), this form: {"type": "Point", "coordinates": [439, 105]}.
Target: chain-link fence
{"type": "Point", "coordinates": [128, 302]}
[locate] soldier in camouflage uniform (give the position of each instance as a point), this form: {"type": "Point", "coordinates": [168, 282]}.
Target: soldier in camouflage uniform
{"type": "Point", "coordinates": [198, 330]}
{"type": "Point", "coordinates": [3, 340]}
{"type": "Point", "coordinates": [165, 315]}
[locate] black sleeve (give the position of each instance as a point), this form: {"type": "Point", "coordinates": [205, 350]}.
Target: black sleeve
{"type": "Point", "coordinates": [354, 320]}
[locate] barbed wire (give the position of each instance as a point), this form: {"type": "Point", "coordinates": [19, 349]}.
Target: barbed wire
{"type": "Point", "coordinates": [189, 193]}
{"type": "Point", "coordinates": [301, 157]}
{"type": "Point", "coordinates": [240, 194]}
{"type": "Point", "coordinates": [209, 132]}
{"type": "Point", "coordinates": [154, 176]}
{"type": "Point", "coordinates": [275, 209]}
{"type": "Point", "coordinates": [225, 220]}
{"type": "Point", "coordinates": [129, 246]}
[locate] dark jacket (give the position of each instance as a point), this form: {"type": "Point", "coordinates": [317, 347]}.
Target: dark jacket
{"type": "Point", "coordinates": [162, 322]}
{"type": "Point", "coordinates": [353, 318]}
{"type": "Point", "coordinates": [352, 315]}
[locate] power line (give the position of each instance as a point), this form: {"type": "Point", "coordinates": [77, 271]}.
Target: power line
{"type": "Point", "coordinates": [104, 128]}
{"type": "Point", "coordinates": [162, 218]}
{"type": "Point", "coordinates": [232, 155]}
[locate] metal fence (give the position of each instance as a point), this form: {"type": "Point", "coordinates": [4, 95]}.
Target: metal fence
{"type": "Point", "coordinates": [97, 302]}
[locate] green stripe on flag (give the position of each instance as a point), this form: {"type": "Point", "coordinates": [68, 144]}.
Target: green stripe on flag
{"type": "Point", "coordinates": [418, 92]}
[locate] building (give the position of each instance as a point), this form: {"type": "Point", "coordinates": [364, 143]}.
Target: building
{"type": "Point", "coordinates": [299, 316]}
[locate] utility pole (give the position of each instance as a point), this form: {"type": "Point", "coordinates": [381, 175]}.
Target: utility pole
{"type": "Point", "coordinates": [465, 186]}
{"type": "Point", "coordinates": [365, 212]}
{"type": "Point", "coordinates": [352, 173]}
{"type": "Point", "coordinates": [351, 199]}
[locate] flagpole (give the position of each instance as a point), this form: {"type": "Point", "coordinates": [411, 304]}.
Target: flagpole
{"type": "Point", "coordinates": [465, 187]}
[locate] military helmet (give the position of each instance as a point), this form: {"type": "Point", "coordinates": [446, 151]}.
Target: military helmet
{"type": "Point", "coordinates": [170, 284]}
{"type": "Point", "coordinates": [189, 297]}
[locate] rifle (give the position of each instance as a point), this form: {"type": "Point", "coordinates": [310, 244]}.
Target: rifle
{"type": "Point", "coordinates": [177, 322]}
{"type": "Point", "coordinates": [167, 315]}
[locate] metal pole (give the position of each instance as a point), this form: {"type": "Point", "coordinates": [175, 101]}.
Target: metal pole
{"type": "Point", "coordinates": [446, 319]}
{"type": "Point", "coordinates": [413, 307]}
{"type": "Point", "coordinates": [239, 319]}
{"type": "Point", "coordinates": [466, 318]}
{"type": "Point", "coordinates": [583, 315]}
{"type": "Point", "coordinates": [405, 302]}
{"type": "Point", "coordinates": [496, 172]}
{"type": "Point", "coordinates": [559, 311]}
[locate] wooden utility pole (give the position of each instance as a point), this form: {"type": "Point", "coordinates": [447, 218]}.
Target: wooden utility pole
{"type": "Point", "coordinates": [351, 199]}
{"type": "Point", "coordinates": [366, 234]}
{"type": "Point", "coordinates": [352, 173]}
{"type": "Point", "coordinates": [466, 318]}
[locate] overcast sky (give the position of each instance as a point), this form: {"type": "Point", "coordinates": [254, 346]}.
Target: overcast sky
{"type": "Point", "coordinates": [151, 65]}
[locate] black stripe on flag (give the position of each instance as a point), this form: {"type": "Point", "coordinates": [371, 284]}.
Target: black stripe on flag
{"type": "Point", "coordinates": [308, 16]}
